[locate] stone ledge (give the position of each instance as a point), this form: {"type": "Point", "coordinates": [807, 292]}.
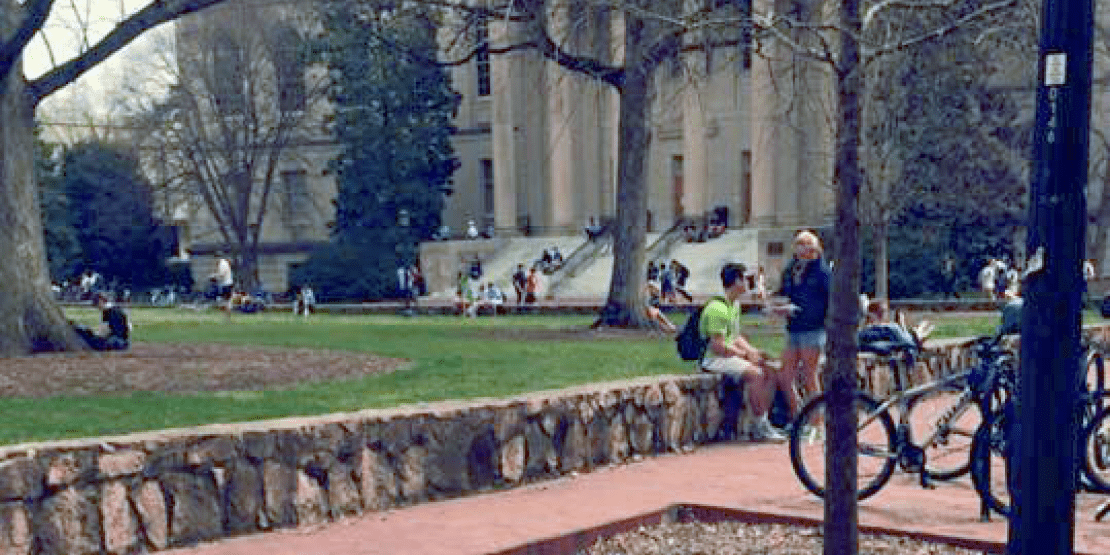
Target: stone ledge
{"type": "Point", "coordinates": [153, 490]}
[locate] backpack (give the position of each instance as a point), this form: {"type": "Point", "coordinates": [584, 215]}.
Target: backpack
{"type": "Point", "coordinates": [689, 341]}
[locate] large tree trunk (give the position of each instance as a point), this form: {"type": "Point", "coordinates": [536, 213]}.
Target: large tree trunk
{"type": "Point", "coordinates": [625, 305]}
{"type": "Point", "coordinates": [30, 319]}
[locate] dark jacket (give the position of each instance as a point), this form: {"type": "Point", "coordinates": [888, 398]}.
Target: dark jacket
{"type": "Point", "coordinates": [810, 294]}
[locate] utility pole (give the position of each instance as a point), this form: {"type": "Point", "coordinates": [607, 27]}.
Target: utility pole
{"type": "Point", "coordinates": [1043, 463]}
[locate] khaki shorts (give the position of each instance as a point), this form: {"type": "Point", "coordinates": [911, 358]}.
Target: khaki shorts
{"type": "Point", "coordinates": [729, 365]}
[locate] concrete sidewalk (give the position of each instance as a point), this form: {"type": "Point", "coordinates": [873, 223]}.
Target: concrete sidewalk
{"type": "Point", "coordinates": [755, 477]}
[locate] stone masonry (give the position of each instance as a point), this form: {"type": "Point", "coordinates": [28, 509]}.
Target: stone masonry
{"type": "Point", "coordinates": [149, 491]}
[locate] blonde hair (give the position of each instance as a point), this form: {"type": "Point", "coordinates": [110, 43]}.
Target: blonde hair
{"type": "Point", "coordinates": [809, 239]}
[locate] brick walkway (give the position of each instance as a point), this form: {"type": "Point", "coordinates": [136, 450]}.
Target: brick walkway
{"type": "Point", "coordinates": [743, 476]}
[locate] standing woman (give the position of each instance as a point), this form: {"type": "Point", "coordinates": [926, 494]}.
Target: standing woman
{"type": "Point", "coordinates": [806, 283]}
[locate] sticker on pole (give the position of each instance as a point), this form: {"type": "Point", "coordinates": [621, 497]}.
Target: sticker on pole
{"type": "Point", "coordinates": [1055, 69]}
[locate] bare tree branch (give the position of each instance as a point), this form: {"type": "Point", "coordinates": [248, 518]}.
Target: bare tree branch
{"type": "Point", "coordinates": [943, 30]}
{"type": "Point", "coordinates": [35, 14]}
{"type": "Point", "coordinates": [154, 14]}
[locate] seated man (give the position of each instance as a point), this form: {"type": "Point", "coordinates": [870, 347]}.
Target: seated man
{"type": "Point", "coordinates": [556, 258]}
{"type": "Point", "coordinates": [489, 296]}
{"type": "Point", "coordinates": [593, 231]}
{"type": "Point", "coordinates": [115, 330]}
{"type": "Point", "coordinates": [654, 311]}
{"type": "Point", "coordinates": [729, 353]}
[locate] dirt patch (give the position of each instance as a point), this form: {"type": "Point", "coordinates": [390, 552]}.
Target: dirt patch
{"type": "Point", "coordinates": [181, 368]}
{"type": "Point", "coordinates": [733, 538]}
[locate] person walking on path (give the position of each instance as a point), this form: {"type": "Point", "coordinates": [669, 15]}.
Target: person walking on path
{"type": "Point", "coordinates": [532, 286]}
{"type": "Point", "coordinates": [224, 281]}
{"type": "Point", "coordinates": [988, 277]}
{"type": "Point", "coordinates": [730, 354]}
{"type": "Point", "coordinates": [806, 284]}
{"type": "Point", "coordinates": [520, 282]}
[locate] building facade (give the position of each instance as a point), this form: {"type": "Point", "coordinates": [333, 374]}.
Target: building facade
{"type": "Point", "coordinates": [734, 134]}
{"type": "Point", "coordinates": [245, 156]}
{"type": "Point", "coordinates": [749, 134]}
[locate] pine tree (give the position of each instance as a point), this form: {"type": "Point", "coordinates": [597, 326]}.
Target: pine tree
{"type": "Point", "coordinates": [394, 106]}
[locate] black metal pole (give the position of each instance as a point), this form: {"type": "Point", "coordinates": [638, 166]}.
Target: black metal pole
{"type": "Point", "coordinates": [1044, 460]}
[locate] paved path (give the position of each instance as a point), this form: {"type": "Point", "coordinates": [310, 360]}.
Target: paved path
{"type": "Point", "coordinates": [744, 476]}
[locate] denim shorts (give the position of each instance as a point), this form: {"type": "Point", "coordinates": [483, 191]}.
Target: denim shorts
{"type": "Point", "coordinates": [803, 339]}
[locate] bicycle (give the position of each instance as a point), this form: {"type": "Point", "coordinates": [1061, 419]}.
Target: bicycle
{"type": "Point", "coordinates": [990, 447]}
{"type": "Point", "coordinates": [945, 412]}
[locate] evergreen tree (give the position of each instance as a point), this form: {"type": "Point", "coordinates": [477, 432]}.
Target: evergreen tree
{"type": "Point", "coordinates": [112, 211]}
{"type": "Point", "coordinates": [63, 252]}
{"type": "Point", "coordinates": [394, 107]}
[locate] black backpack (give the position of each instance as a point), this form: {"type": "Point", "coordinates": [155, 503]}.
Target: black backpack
{"type": "Point", "coordinates": [689, 341]}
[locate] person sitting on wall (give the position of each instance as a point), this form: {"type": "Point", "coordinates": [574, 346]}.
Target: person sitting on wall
{"type": "Point", "coordinates": [115, 329]}
{"type": "Point", "coordinates": [545, 261]}
{"type": "Point", "coordinates": [593, 231]}
{"type": "Point", "coordinates": [690, 232]}
{"type": "Point", "coordinates": [556, 258]}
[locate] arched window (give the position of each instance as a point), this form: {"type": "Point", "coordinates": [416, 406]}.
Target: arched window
{"type": "Point", "coordinates": [228, 71]}
{"type": "Point", "coordinates": [289, 68]}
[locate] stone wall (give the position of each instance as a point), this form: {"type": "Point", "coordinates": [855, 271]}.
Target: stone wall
{"type": "Point", "coordinates": [150, 491]}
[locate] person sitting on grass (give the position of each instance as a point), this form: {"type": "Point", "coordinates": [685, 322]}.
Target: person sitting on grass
{"type": "Point", "coordinates": [115, 329]}
{"type": "Point", "coordinates": [730, 354]}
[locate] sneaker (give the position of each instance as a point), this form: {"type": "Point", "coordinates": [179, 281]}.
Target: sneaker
{"type": "Point", "coordinates": [764, 431]}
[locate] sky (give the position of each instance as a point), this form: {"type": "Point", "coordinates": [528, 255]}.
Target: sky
{"type": "Point", "coordinates": [75, 23]}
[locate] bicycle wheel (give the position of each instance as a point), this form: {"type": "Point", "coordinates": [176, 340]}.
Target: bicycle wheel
{"type": "Point", "coordinates": [943, 422]}
{"type": "Point", "coordinates": [989, 471]}
{"type": "Point", "coordinates": [1096, 452]}
{"type": "Point", "coordinates": [876, 446]}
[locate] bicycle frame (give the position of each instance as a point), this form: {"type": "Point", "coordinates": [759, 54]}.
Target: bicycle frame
{"type": "Point", "coordinates": [904, 401]}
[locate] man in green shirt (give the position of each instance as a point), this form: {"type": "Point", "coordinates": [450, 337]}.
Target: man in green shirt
{"type": "Point", "coordinates": [729, 353]}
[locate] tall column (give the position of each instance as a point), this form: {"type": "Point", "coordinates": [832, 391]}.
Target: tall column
{"type": "Point", "coordinates": [516, 126]}
{"type": "Point", "coordinates": [565, 129]}
{"type": "Point", "coordinates": [792, 135]}
{"type": "Point", "coordinates": [695, 145]}
{"type": "Point", "coordinates": [771, 92]}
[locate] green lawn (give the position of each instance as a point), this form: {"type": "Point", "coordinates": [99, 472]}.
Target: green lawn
{"type": "Point", "coordinates": [451, 358]}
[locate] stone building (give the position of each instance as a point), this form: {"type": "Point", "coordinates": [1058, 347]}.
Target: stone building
{"type": "Point", "coordinates": [538, 143]}
{"type": "Point", "coordinates": [734, 135]}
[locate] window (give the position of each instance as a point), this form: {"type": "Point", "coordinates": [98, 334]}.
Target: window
{"type": "Point", "coordinates": [481, 59]}
{"type": "Point", "coordinates": [298, 202]}
{"type": "Point", "coordinates": [488, 195]}
{"type": "Point", "coordinates": [227, 75]}
{"type": "Point", "coordinates": [289, 69]}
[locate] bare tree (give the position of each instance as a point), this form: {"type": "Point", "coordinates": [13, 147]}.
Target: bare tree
{"type": "Point", "coordinates": [242, 103]}
{"type": "Point", "coordinates": [631, 40]}
{"type": "Point", "coordinates": [30, 319]}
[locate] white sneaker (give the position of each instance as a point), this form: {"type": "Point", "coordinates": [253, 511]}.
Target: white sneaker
{"type": "Point", "coordinates": [764, 431]}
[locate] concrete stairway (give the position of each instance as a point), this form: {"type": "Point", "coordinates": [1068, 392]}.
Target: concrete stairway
{"type": "Point", "coordinates": [703, 259]}
{"type": "Point", "coordinates": [524, 250]}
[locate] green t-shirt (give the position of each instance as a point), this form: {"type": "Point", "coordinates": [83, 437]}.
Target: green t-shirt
{"type": "Point", "coordinates": [719, 317]}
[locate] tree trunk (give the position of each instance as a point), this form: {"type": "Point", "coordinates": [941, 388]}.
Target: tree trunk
{"type": "Point", "coordinates": [841, 506]}
{"type": "Point", "coordinates": [1097, 239]}
{"type": "Point", "coordinates": [625, 304]}
{"type": "Point", "coordinates": [30, 319]}
{"type": "Point", "coordinates": [882, 262]}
